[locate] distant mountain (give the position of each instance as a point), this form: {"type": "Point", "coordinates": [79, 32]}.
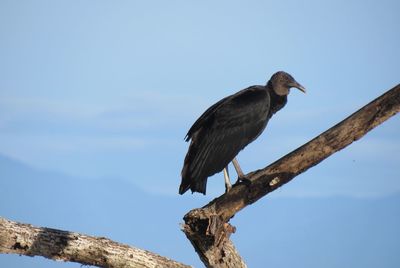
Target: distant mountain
{"type": "Point", "coordinates": [274, 232]}
{"type": "Point", "coordinates": [105, 207]}
{"type": "Point", "coordinates": [45, 197]}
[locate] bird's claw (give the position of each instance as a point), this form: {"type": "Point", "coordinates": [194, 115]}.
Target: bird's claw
{"type": "Point", "coordinates": [244, 180]}
{"type": "Point", "coordinates": [228, 187]}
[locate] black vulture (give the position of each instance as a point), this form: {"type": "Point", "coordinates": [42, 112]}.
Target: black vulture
{"type": "Point", "coordinates": [225, 128]}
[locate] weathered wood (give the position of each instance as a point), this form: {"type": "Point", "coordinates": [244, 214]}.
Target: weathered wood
{"type": "Point", "coordinates": [207, 228]}
{"type": "Point", "coordinates": [210, 240]}
{"type": "Point", "coordinates": [25, 239]}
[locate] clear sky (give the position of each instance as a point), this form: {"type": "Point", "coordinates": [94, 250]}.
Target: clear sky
{"type": "Point", "coordinates": [105, 90]}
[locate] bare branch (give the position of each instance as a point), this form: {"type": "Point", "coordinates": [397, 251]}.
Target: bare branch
{"type": "Point", "coordinates": [207, 228]}
{"type": "Point", "coordinates": [25, 239]}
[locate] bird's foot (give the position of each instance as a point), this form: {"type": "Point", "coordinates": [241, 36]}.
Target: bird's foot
{"type": "Point", "coordinates": [244, 180]}
{"type": "Point", "coordinates": [228, 187]}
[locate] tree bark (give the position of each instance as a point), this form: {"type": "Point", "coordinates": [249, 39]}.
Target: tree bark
{"type": "Point", "coordinates": [208, 229]}
{"type": "Point", "coordinates": [25, 239]}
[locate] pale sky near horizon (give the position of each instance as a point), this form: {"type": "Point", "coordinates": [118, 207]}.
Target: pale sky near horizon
{"type": "Point", "coordinates": [104, 90]}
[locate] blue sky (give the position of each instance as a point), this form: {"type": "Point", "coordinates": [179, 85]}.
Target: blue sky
{"type": "Point", "coordinates": [103, 90]}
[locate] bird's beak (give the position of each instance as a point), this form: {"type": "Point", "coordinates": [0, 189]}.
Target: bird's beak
{"type": "Point", "coordinates": [298, 86]}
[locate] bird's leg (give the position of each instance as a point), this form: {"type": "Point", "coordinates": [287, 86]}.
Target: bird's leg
{"type": "Point", "coordinates": [228, 184]}
{"type": "Point", "coordinates": [241, 176]}
{"type": "Point", "coordinates": [237, 168]}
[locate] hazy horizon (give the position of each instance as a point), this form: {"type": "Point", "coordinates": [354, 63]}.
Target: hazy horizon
{"type": "Point", "coordinates": [97, 96]}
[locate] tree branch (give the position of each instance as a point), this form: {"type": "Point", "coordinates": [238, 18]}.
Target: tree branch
{"type": "Point", "coordinates": [207, 228]}
{"type": "Point", "coordinates": [25, 239]}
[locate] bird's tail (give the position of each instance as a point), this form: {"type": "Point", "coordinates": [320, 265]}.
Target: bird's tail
{"type": "Point", "coordinates": [191, 179]}
{"type": "Point", "coordinates": [195, 185]}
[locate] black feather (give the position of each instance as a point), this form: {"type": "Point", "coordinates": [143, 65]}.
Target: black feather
{"type": "Point", "coordinates": [224, 129]}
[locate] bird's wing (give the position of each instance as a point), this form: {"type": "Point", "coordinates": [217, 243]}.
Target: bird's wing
{"type": "Point", "coordinates": [203, 118]}
{"type": "Point", "coordinates": [236, 122]}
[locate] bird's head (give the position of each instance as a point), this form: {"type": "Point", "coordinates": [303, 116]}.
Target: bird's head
{"type": "Point", "coordinates": [281, 82]}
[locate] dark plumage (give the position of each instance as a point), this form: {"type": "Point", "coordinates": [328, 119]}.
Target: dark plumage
{"type": "Point", "coordinates": [225, 128]}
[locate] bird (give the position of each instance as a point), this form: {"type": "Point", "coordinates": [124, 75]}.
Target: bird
{"type": "Point", "coordinates": [227, 127]}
